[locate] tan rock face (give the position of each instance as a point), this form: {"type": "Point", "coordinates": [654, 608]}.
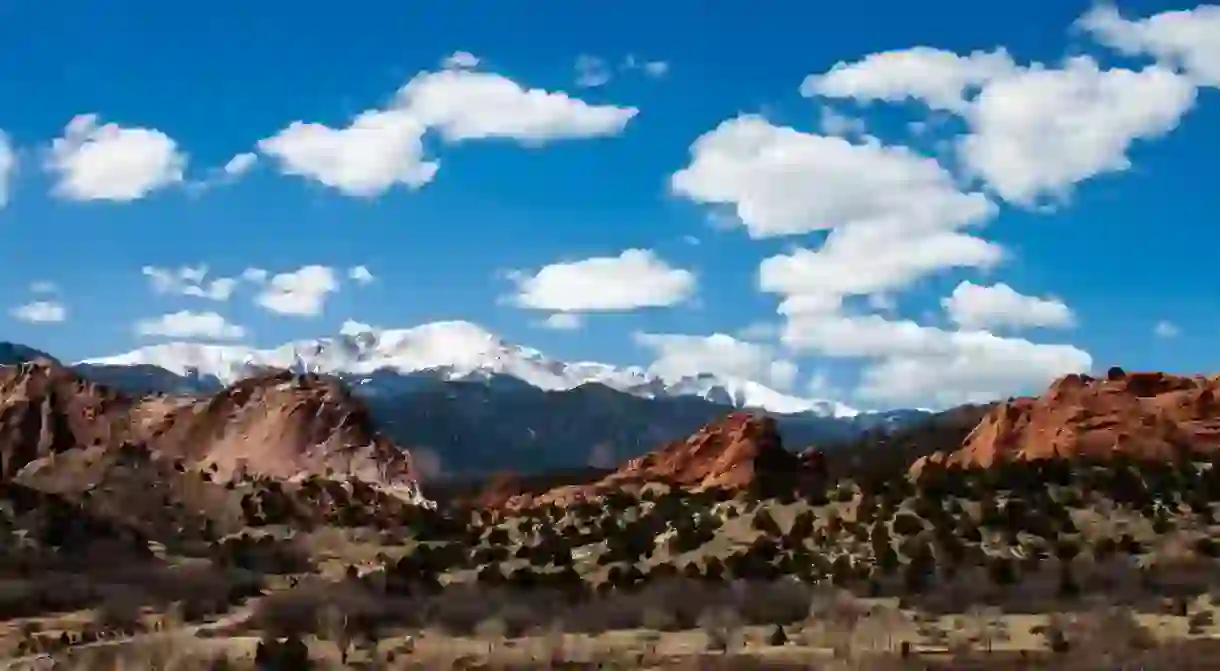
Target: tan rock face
{"type": "Point", "coordinates": [1146, 415]}
{"type": "Point", "coordinates": [278, 424]}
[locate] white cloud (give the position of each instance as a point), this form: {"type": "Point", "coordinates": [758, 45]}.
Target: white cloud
{"type": "Point", "coordinates": [384, 148]}
{"type": "Point", "coordinates": [187, 324]}
{"type": "Point", "coordinates": [8, 166]}
{"type": "Point", "coordinates": [378, 150]}
{"type": "Point", "coordinates": [784, 182]}
{"type": "Point", "coordinates": [941, 79]}
{"type": "Point", "coordinates": [909, 364]}
{"type": "Point", "coordinates": [974, 306]}
{"type": "Point", "coordinates": [591, 71]}
{"type": "Point", "coordinates": [352, 327]}
{"type": "Point", "coordinates": [360, 275]}
{"type": "Point", "coordinates": [40, 312]}
{"type": "Point", "coordinates": [240, 164]}
{"type": "Point", "coordinates": [839, 125]}
{"type": "Point", "coordinates": [109, 162]}
{"type": "Point", "coordinates": [563, 321]}
{"type": "Point", "coordinates": [1183, 39]}
{"type": "Point", "coordinates": [189, 281]}
{"type": "Point", "coordinates": [637, 278]}
{"type": "Point", "coordinates": [759, 331]}
{"type": "Point", "coordinates": [254, 275]}
{"type": "Point", "coordinates": [466, 105]}
{"type": "Point", "coordinates": [680, 355]}
{"type": "Point", "coordinates": [864, 260]}
{"type": "Point", "coordinates": [1040, 131]}
{"type": "Point", "coordinates": [301, 293]}
{"type": "Point", "coordinates": [1034, 131]}
{"type": "Point", "coordinates": [654, 69]}
{"type": "Point", "coordinates": [1166, 329]}
{"type": "Point", "coordinates": [460, 60]}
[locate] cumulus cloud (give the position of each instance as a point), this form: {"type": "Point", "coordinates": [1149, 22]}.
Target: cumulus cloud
{"type": "Point", "coordinates": [679, 355]}
{"type": "Point", "coordinates": [781, 181]}
{"type": "Point", "coordinates": [1039, 132]}
{"type": "Point", "coordinates": [637, 278]}
{"type": "Point", "coordinates": [383, 148]}
{"type": "Point", "coordinates": [189, 281]}
{"type": "Point", "coordinates": [941, 79]}
{"type": "Point", "coordinates": [466, 105]}
{"type": "Point", "coordinates": [187, 324]}
{"type": "Point", "coordinates": [1184, 39]}
{"type": "Point", "coordinates": [111, 162]}
{"type": "Point", "coordinates": [910, 364]}
{"type": "Point", "coordinates": [974, 306]}
{"type": "Point", "coordinates": [40, 312]}
{"type": "Point", "coordinates": [378, 150]}
{"type": "Point", "coordinates": [8, 166]}
{"type": "Point", "coordinates": [1034, 130]}
{"type": "Point", "coordinates": [360, 275]}
{"type": "Point", "coordinates": [867, 260]}
{"type": "Point", "coordinates": [300, 293]}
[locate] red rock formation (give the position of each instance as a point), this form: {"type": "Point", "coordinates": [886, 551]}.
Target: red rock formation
{"type": "Point", "coordinates": [731, 453]}
{"type": "Point", "coordinates": [737, 452]}
{"type": "Point", "coordinates": [277, 424]}
{"type": "Point", "coordinates": [1146, 415]}
{"type": "Point", "coordinates": [45, 409]}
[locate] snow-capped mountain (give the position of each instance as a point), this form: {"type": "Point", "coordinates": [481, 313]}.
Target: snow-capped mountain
{"type": "Point", "coordinates": [382, 362]}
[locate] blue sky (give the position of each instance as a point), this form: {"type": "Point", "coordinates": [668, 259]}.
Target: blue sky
{"type": "Point", "coordinates": [1094, 188]}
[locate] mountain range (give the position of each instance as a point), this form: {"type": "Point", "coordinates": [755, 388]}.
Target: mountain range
{"type": "Point", "coordinates": [467, 402]}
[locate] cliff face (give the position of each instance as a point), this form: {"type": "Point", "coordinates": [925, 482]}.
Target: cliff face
{"type": "Point", "coordinates": [279, 425]}
{"type": "Point", "coordinates": [1145, 415]}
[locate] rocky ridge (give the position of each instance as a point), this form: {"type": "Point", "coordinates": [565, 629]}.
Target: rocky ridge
{"type": "Point", "coordinates": [278, 424]}
{"type": "Point", "coordinates": [1146, 416]}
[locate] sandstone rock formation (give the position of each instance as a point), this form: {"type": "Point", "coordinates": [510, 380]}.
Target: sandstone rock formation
{"type": "Point", "coordinates": [45, 409]}
{"type": "Point", "coordinates": [1145, 415]}
{"type": "Point", "coordinates": [738, 452]}
{"type": "Point", "coordinates": [732, 453]}
{"type": "Point", "coordinates": [278, 424]}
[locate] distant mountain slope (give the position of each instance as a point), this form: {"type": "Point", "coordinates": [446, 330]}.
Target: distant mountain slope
{"type": "Point", "coordinates": [12, 354]}
{"type": "Point", "coordinates": [475, 404]}
{"type": "Point", "coordinates": [393, 360]}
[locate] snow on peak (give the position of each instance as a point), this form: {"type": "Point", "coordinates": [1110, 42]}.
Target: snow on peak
{"type": "Point", "coordinates": [452, 350]}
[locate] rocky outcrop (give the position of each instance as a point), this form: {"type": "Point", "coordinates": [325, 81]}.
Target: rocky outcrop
{"type": "Point", "coordinates": [733, 453]}
{"type": "Point", "coordinates": [45, 409]}
{"type": "Point", "coordinates": [738, 452]}
{"type": "Point", "coordinates": [1147, 416]}
{"type": "Point", "coordinates": [278, 424]}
